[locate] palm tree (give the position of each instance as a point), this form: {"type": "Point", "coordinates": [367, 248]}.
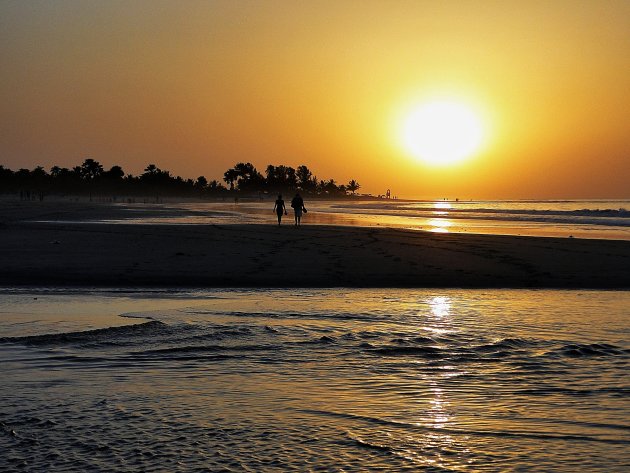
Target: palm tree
{"type": "Point", "coordinates": [91, 169]}
{"type": "Point", "coordinates": [55, 171]}
{"type": "Point", "coordinates": [151, 169]}
{"type": "Point", "coordinates": [353, 186]}
{"type": "Point", "coordinates": [304, 177]}
{"type": "Point", "coordinates": [201, 183]}
{"type": "Point", "coordinates": [230, 176]}
{"type": "Point", "coordinates": [115, 173]}
{"type": "Point", "coordinates": [248, 177]}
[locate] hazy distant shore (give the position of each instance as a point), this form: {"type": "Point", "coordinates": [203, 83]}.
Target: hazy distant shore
{"type": "Point", "coordinates": [63, 251]}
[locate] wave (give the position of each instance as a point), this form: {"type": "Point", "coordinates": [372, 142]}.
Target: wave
{"type": "Point", "coordinates": [436, 348]}
{"type": "Point", "coordinates": [507, 344]}
{"type": "Point", "coordinates": [526, 353]}
{"type": "Point", "coordinates": [586, 216]}
{"type": "Point", "coordinates": [101, 335]}
{"type": "Point", "coordinates": [463, 208]}
{"type": "Point", "coordinates": [536, 435]}
{"type": "Point", "coordinates": [426, 352]}
{"type": "Point", "coordinates": [307, 315]}
{"type": "Point", "coordinates": [580, 350]}
{"type": "Point", "coordinates": [206, 349]}
{"type": "Point", "coordinates": [612, 391]}
{"type": "Point", "coordinates": [369, 444]}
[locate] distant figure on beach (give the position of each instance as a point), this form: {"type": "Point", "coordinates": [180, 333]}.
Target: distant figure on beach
{"type": "Point", "coordinates": [279, 208]}
{"type": "Point", "coordinates": [298, 207]}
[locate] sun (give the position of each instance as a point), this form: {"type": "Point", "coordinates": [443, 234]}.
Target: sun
{"type": "Point", "coordinates": [442, 132]}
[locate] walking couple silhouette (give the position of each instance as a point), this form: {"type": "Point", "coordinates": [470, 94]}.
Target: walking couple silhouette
{"type": "Point", "coordinates": [298, 208]}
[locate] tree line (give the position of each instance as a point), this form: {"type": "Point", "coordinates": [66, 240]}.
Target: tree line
{"type": "Point", "coordinates": [91, 178]}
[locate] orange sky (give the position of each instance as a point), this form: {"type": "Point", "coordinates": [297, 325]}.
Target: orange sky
{"type": "Point", "coordinates": [195, 87]}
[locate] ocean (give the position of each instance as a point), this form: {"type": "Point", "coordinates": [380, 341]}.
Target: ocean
{"type": "Point", "coordinates": [314, 380]}
{"type": "Point", "coordinates": [601, 219]}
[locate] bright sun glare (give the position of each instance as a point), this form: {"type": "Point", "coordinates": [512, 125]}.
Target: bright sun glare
{"type": "Point", "coordinates": [442, 132]}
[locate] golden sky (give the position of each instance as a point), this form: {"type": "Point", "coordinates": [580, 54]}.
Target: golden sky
{"type": "Point", "coordinates": [197, 86]}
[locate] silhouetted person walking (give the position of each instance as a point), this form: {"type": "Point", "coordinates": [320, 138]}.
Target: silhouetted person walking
{"type": "Point", "coordinates": [298, 207]}
{"type": "Point", "coordinates": [279, 208]}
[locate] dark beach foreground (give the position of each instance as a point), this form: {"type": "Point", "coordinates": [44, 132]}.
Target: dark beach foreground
{"type": "Point", "coordinates": [67, 250]}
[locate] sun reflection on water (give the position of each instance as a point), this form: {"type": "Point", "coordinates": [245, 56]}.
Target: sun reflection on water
{"type": "Point", "coordinates": [439, 415]}
{"type": "Point", "coordinates": [439, 225]}
{"type": "Point", "coordinates": [440, 306]}
{"type": "Point", "coordinates": [438, 320]}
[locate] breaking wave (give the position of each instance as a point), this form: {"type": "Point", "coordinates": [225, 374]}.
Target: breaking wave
{"type": "Point", "coordinates": [102, 335]}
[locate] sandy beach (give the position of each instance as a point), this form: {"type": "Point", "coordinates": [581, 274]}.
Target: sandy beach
{"type": "Point", "coordinates": [67, 251]}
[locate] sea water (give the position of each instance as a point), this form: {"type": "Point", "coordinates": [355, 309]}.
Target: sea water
{"type": "Point", "coordinates": [315, 380]}
{"type": "Point", "coordinates": [604, 219]}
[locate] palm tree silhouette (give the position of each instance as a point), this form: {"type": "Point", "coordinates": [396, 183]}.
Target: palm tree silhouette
{"type": "Point", "coordinates": [353, 186]}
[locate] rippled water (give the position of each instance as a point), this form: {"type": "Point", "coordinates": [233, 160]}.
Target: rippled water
{"type": "Point", "coordinates": [325, 380]}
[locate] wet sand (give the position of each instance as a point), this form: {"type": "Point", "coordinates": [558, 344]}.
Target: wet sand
{"type": "Point", "coordinates": [69, 252]}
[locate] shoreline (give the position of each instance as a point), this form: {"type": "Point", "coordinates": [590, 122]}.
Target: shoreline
{"type": "Point", "coordinates": [326, 212]}
{"type": "Point", "coordinates": [255, 255]}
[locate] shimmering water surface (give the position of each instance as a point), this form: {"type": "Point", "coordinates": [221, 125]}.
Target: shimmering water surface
{"type": "Point", "coordinates": [603, 219]}
{"type": "Point", "coordinates": [315, 380]}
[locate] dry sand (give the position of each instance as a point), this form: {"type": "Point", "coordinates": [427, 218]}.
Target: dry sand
{"type": "Point", "coordinates": [128, 255]}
